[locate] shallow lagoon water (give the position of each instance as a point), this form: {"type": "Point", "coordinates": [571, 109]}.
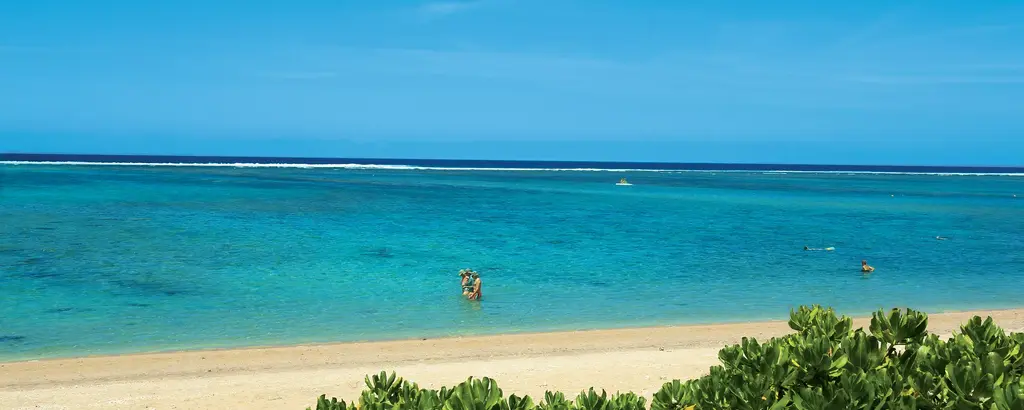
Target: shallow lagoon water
{"type": "Point", "coordinates": [113, 259]}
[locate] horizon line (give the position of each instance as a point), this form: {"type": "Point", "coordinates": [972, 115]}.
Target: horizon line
{"type": "Point", "coordinates": [22, 156]}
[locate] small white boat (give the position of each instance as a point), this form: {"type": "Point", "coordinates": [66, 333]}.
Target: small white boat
{"type": "Point", "coordinates": [622, 182]}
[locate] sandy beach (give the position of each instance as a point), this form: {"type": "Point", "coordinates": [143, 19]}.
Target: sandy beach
{"type": "Point", "coordinates": [637, 360]}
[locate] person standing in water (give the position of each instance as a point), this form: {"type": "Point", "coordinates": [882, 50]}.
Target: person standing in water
{"type": "Point", "coordinates": [475, 294]}
{"type": "Point", "coordinates": [864, 267]}
{"type": "Point", "coordinates": [466, 282]}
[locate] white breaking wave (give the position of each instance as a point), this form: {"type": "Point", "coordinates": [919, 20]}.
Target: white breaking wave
{"type": "Point", "coordinates": [340, 166]}
{"type": "Point", "coordinates": [428, 168]}
{"type": "Point", "coordinates": [206, 164]}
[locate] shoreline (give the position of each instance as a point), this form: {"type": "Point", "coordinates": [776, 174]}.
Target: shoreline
{"type": "Point", "coordinates": [625, 359]}
{"type": "Point", "coordinates": [498, 334]}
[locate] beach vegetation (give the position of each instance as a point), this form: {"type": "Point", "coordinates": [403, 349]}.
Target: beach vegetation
{"type": "Point", "coordinates": [824, 364]}
{"type": "Point", "coordinates": [390, 392]}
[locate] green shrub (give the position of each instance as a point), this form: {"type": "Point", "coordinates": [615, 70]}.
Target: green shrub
{"type": "Point", "coordinates": [825, 364]}
{"type": "Point", "coordinates": [896, 364]}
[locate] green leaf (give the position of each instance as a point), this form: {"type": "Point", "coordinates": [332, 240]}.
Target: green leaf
{"type": "Point", "coordinates": [899, 328]}
{"type": "Point", "coordinates": [334, 404]}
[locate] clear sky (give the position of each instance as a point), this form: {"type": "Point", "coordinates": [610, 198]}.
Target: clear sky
{"type": "Point", "coordinates": [865, 82]}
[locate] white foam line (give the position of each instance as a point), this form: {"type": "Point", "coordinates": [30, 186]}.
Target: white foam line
{"type": "Point", "coordinates": [341, 166]}
{"type": "Point", "coordinates": [425, 168]}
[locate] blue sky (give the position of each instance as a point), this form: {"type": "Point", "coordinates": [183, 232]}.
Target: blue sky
{"type": "Point", "coordinates": [866, 82]}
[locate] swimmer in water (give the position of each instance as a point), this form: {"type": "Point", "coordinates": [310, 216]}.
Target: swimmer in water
{"type": "Point", "coordinates": [864, 267]}
{"type": "Point", "coordinates": [941, 238]}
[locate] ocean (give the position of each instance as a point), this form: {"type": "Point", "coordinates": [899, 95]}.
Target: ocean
{"type": "Point", "coordinates": [108, 255]}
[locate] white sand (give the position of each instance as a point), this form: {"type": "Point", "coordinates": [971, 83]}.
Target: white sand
{"type": "Point", "coordinates": [637, 360]}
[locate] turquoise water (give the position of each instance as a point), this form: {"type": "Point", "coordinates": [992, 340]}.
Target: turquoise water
{"type": "Point", "coordinates": [112, 259]}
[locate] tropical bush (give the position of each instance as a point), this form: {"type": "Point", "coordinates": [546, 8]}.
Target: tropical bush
{"type": "Point", "coordinates": [825, 364]}
{"type": "Point", "coordinates": [386, 392]}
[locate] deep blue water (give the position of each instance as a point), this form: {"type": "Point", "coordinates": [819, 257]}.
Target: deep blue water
{"type": "Point", "coordinates": [110, 259]}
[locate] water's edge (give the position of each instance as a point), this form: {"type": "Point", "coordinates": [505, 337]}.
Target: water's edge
{"type": "Point", "coordinates": [977, 310]}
